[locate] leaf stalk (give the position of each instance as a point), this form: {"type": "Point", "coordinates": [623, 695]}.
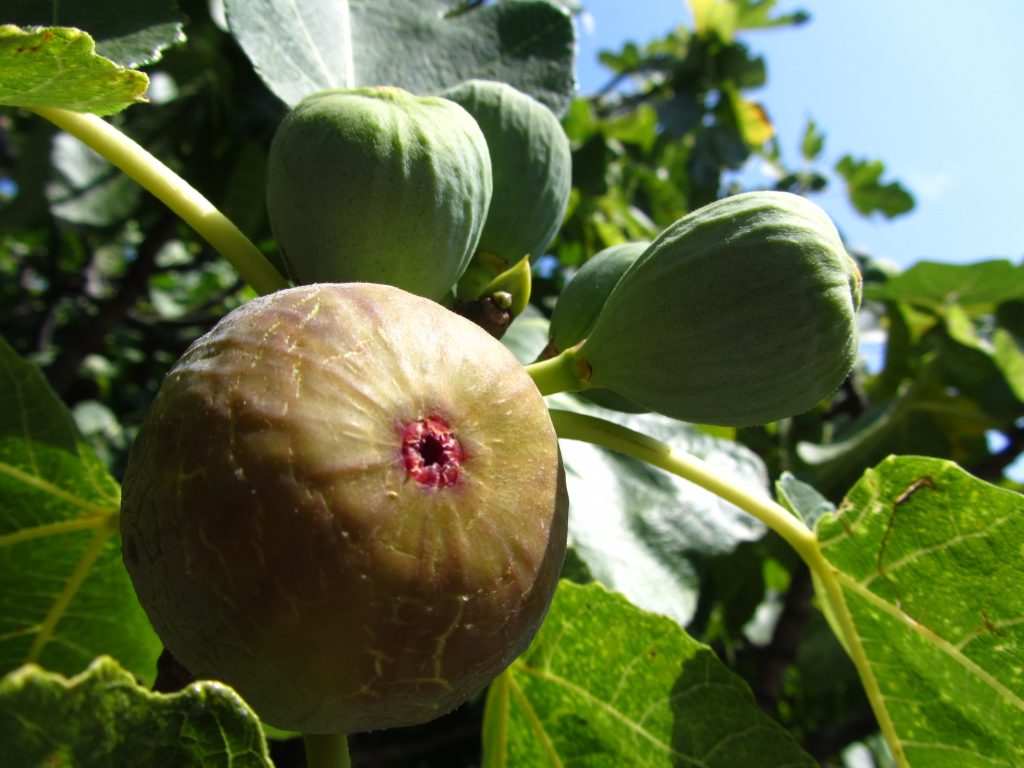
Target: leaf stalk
{"type": "Point", "coordinates": [176, 193]}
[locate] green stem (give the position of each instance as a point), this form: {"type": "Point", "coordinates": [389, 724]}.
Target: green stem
{"type": "Point", "coordinates": [576, 426]}
{"type": "Point", "coordinates": [566, 372]}
{"type": "Point", "coordinates": [326, 750]}
{"type": "Point", "coordinates": [173, 191]}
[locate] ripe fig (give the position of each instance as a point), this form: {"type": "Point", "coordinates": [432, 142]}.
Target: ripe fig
{"type": "Point", "coordinates": [742, 312]}
{"type": "Point", "coordinates": [346, 502]}
{"type": "Point", "coordinates": [378, 185]}
{"type": "Point", "coordinates": [532, 167]}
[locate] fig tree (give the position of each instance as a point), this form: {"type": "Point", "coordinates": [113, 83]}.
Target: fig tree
{"type": "Point", "coordinates": [378, 185]}
{"type": "Point", "coordinates": [347, 503]}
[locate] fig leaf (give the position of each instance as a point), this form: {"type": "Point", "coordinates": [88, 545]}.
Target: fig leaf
{"type": "Point", "coordinates": [605, 677]}
{"type": "Point", "coordinates": [102, 717]}
{"type": "Point", "coordinates": [422, 46]}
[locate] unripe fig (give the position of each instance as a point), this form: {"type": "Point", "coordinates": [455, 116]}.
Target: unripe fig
{"type": "Point", "coordinates": [532, 166]}
{"type": "Point", "coordinates": [347, 503]}
{"type": "Point", "coordinates": [584, 296]}
{"type": "Point", "coordinates": [378, 185]}
{"type": "Point", "coordinates": [582, 300]}
{"type": "Point", "coordinates": [742, 312]}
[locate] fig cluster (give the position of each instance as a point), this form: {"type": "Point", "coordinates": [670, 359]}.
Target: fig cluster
{"type": "Point", "coordinates": [347, 500]}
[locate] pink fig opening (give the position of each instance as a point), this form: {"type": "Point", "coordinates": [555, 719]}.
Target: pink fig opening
{"type": "Point", "coordinates": [432, 454]}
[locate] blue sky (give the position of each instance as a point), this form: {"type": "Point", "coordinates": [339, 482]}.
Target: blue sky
{"type": "Point", "coordinates": [932, 89]}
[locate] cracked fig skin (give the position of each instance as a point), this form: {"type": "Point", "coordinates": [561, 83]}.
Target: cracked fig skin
{"type": "Point", "coordinates": [346, 502]}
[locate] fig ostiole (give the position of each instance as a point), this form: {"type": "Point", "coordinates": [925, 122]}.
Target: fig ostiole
{"type": "Point", "coordinates": [532, 168]}
{"type": "Point", "coordinates": [347, 503]}
{"type": "Point", "coordinates": [378, 185]}
{"type": "Point", "coordinates": [742, 312]}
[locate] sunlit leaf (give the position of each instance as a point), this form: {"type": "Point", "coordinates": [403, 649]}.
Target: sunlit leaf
{"type": "Point", "coordinates": [867, 191]}
{"type": "Point", "coordinates": [606, 684]}
{"type": "Point", "coordinates": [931, 561]}
{"type": "Point", "coordinates": [131, 34]}
{"type": "Point", "coordinates": [976, 287]}
{"type": "Point", "coordinates": [813, 142]}
{"type": "Point", "coordinates": [103, 718]}
{"type": "Point", "coordinates": [58, 67]}
{"type": "Point", "coordinates": [66, 596]}
{"type": "Point", "coordinates": [752, 121]}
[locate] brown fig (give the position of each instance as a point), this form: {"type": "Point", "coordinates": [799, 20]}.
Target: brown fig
{"type": "Point", "coordinates": [347, 503]}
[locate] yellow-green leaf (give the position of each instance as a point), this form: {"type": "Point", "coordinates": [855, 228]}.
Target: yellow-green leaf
{"type": "Point", "coordinates": [103, 718]}
{"type": "Point", "coordinates": [59, 67]}
{"type": "Point", "coordinates": [66, 596]}
{"type": "Point", "coordinates": [930, 562]}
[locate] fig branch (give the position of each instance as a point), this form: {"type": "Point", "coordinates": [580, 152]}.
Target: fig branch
{"type": "Point", "coordinates": [576, 426]}
{"type": "Point", "coordinates": [176, 193]}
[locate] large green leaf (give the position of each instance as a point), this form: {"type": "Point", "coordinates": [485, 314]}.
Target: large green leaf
{"type": "Point", "coordinates": [607, 684]}
{"type": "Point", "coordinates": [974, 287]}
{"type": "Point", "coordinates": [132, 34]}
{"type": "Point", "coordinates": [66, 596]}
{"type": "Point", "coordinates": [422, 46]}
{"type": "Point", "coordinates": [930, 562]}
{"type": "Point", "coordinates": [58, 67]}
{"type": "Point", "coordinates": [103, 718]}
{"type": "Point", "coordinates": [638, 530]}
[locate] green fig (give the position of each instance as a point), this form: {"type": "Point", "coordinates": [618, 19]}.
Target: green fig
{"type": "Point", "coordinates": [742, 312]}
{"type": "Point", "coordinates": [581, 302]}
{"type": "Point", "coordinates": [532, 167]}
{"type": "Point", "coordinates": [378, 185]}
{"type": "Point", "coordinates": [584, 296]}
{"type": "Point", "coordinates": [347, 503]}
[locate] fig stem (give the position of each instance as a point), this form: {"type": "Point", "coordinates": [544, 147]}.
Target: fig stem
{"type": "Point", "coordinates": [565, 372]}
{"type": "Point", "coordinates": [576, 426]}
{"type": "Point", "coordinates": [326, 750]}
{"type": "Point", "coordinates": [176, 193]}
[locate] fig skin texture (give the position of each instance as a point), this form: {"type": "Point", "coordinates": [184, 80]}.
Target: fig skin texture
{"type": "Point", "coordinates": [581, 302]}
{"type": "Point", "coordinates": [347, 503]}
{"type": "Point", "coordinates": [531, 162]}
{"type": "Point", "coordinates": [584, 296]}
{"type": "Point", "coordinates": [378, 185]}
{"type": "Point", "coordinates": [742, 312]}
